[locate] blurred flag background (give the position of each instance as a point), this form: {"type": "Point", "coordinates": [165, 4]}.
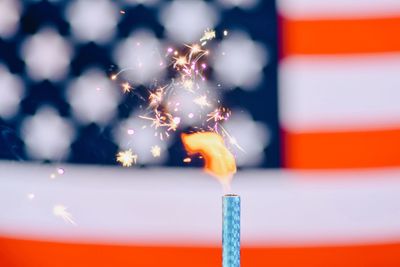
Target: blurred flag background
{"type": "Point", "coordinates": [315, 91]}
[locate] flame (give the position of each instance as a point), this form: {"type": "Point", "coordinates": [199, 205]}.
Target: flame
{"type": "Point", "coordinates": [219, 161]}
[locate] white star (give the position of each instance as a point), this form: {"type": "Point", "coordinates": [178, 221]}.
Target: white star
{"type": "Point", "coordinates": [93, 20]}
{"type": "Point", "coordinates": [11, 91]}
{"type": "Point", "coordinates": [140, 54]}
{"type": "Point", "coordinates": [10, 11]}
{"type": "Point", "coordinates": [239, 61]}
{"type": "Point", "coordinates": [47, 135]}
{"type": "Point", "coordinates": [93, 97]}
{"type": "Point", "coordinates": [47, 55]}
{"type": "Point", "coordinates": [185, 21]}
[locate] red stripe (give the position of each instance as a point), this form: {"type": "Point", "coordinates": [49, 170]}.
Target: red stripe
{"type": "Point", "coordinates": [319, 150]}
{"type": "Point", "coordinates": [21, 253]}
{"type": "Point", "coordinates": [340, 36]}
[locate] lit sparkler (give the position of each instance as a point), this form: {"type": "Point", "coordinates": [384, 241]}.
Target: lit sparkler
{"type": "Point", "coordinates": [161, 111]}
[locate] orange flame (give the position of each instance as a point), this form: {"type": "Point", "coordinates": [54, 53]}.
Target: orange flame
{"type": "Point", "coordinates": [219, 161]}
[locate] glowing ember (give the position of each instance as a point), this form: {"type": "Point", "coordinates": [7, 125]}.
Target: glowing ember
{"type": "Point", "coordinates": [156, 97]}
{"type": "Point", "coordinates": [61, 211]}
{"type": "Point", "coordinates": [180, 61]}
{"type": "Point", "coordinates": [187, 160]}
{"type": "Point", "coordinates": [126, 158]}
{"type": "Point", "coordinates": [202, 101]}
{"type": "Point", "coordinates": [219, 161]}
{"type": "Point", "coordinates": [188, 84]}
{"type": "Point", "coordinates": [155, 151]}
{"type": "Point", "coordinates": [208, 35]}
{"type": "Point", "coordinates": [126, 87]}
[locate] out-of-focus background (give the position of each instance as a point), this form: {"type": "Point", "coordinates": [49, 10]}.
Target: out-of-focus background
{"type": "Point", "coordinates": [315, 91]}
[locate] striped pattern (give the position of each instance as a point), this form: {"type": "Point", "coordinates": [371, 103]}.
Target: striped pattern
{"type": "Point", "coordinates": [308, 218]}
{"type": "Point", "coordinates": [339, 83]}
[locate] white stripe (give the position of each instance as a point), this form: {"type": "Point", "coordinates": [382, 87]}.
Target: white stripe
{"type": "Point", "coordinates": [339, 93]}
{"type": "Point", "coordinates": [170, 206]}
{"type": "Point", "coordinates": [317, 9]}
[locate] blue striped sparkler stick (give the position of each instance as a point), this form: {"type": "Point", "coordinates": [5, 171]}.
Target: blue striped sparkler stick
{"type": "Point", "coordinates": [220, 162]}
{"type": "Point", "coordinates": [230, 230]}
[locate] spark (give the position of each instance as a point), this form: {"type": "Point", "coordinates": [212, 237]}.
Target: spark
{"type": "Point", "coordinates": [174, 124]}
{"type": "Point", "coordinates": [61, 211]}
{"type": "Point", "coordinates": [194, 49]}
{"type": "Point", "coordinates": [202, 101]}
{"type": "Point", "coordinates": [177, 120]}
{"type": "Point", "coordinates": [162, 119]}
{"type": "Point", "coordinates": [219, 114]}
{"type": "Point", "coordinates": [130, 131]}
{"type": "Point", "coordinates": [122, 11]}
{"type": "Point", "coordinates": [208, 35]}
{"type": "Point", "coordinates": [232, 139]}
{"type": "Point", "coordinates": [156, 97]}
{"type": "Point", "coordinates": [60, 171]}
{"type": "Point", "coordinates": [187, 160]}
{"type": "Point", "coordinates": [126, 87]}
{"type": "Point", "coordinates": [155, 151]}
{"type": "Point", "coordinates": [188, 84]}
{"type": "Point", "coordinates": [126, 158]}
{"type": "Point", "coordinates": [180, 61]}
{"type": "Point", "coordinates": [114, 77]}
{"type": "Point", "coordinates": [225, 32]}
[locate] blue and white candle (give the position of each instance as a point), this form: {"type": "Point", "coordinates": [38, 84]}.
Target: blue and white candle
{"type": "Point", "coordinates": [231, 230]}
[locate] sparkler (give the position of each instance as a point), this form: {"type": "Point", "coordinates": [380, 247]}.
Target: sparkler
{"type": "Point", "coordinates": [161, 110]}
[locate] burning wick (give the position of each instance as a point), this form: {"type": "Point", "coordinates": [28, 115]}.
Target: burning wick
{"type": "Point", "coordinates": [220, 163]}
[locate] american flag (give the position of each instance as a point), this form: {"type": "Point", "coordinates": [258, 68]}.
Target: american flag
{"type": "Point", "coordinates": [314, 89]}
